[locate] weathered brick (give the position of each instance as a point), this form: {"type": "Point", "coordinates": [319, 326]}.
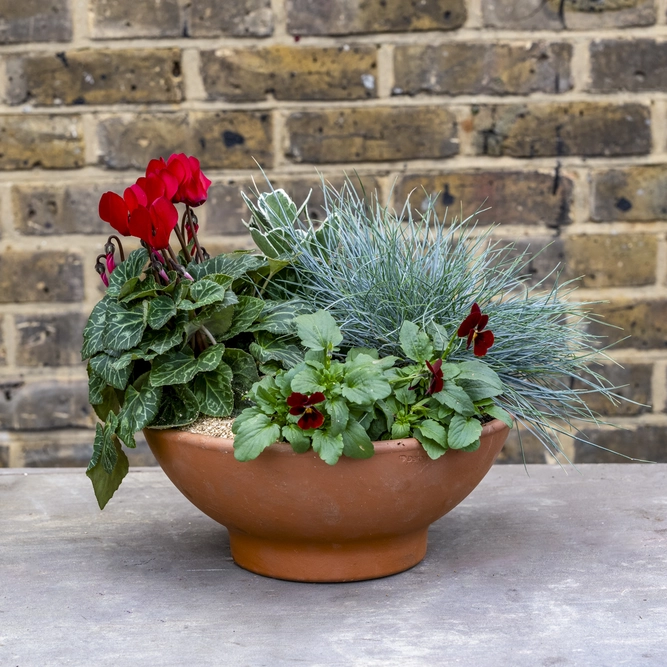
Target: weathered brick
{"type": "Point", "coordinates": [633, 194]}
{"type": "Point", "coordinates": [379, 134]}
{"type": "Point", "coordinates": [633, 382]}
{"type": "Point", "coordinates": [290, 73]}
{"type": "Point", "coordinates": [101, 76]}
{"type": "Point", "coordinates": [40, 276]}
{"type": "Point", "coordinates": [514, 197]}
{"type": "Point", "coordinates": [49, 339]}
{"type": "Point", "coordinates": [616, 260]}
{"type": "Point", "coordinates": [35, 21]}
{"type": "Point", "coordinates": [460, 68]}
{"type": "Point", "coordinates": [52, 142]}
{"type": "Point", "coordinates": [223, 139]}
{"type": "Point", "coordinates": [644, 442]}
{"type": "Point", "coordinates": [45, 210]}
{"type": "Point", "coordinates": [44, 405]}
{"type": "Point", "coordinates": [576, 14]}
{"type": "Point", "coordinates": [3, 349]}
{"type": "Point", "coordinates": [238, 18]}
{"type": "Point", "coordinates": [643, 320]}
{"type": "Point", "coordinates": [346, 17]}
{"type": "Point", "coordinates": [128, 18]}
{"type": "Point", "coordinates": [577, 128]}
{"type": "Point", "coordinates": [543, 257]}
{"type": "Point", "coordinates": [634, 65]}
{"type": "Point", "coordinates": [529, 450]}
{"type": "Point", "coordinates": [226, 209]}
{"type": "Point", "coordinates": [4, 456]}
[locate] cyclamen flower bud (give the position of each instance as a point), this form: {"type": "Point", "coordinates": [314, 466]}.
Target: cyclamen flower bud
{"type": "Point", "coordinates": [101, 269]}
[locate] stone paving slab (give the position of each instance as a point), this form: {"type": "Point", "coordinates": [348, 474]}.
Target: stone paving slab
{"type": "Point", "coordinates": [552, 568]}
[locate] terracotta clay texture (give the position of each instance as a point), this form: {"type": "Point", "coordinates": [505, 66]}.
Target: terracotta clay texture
{"type": "Point", "coordinates": [292, 516]}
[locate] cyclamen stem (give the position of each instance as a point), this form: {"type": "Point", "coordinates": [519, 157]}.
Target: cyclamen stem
{"type": "Point", "coordinates": [174, 261]}
{"type": "Point", "coordinates": [120, 246]}
{"type": "Point", "coordinates": [184, 245]}
{"type": "Point", "coordinates": [192, 223]}
{"type": "Point", "coordinates": [209, 335]}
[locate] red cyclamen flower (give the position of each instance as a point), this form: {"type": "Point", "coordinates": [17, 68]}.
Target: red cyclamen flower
{"type": "Point", "coordinates": [183, 179]}
{"type": "Point", "coordinates": [472, 328]}
{"type": "Point", "coordinates": [300, 404]}
{"type": "Point", "coordinates": [437, 383]}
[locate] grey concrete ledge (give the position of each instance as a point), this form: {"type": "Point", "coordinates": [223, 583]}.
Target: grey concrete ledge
{"type": "Point", "coordinates": [555, 568]}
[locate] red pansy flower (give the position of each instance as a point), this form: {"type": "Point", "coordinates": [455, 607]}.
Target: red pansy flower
{"type": "Point", "coordinates": [472, 327]}
{"type": "Point", "coordinates": [437, 383]}
{"type": "Point", "coordinates": [300, 404]}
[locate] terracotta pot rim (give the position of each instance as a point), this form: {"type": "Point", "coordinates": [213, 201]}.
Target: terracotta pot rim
{"type": "Point", "coordinates": [227, 444]}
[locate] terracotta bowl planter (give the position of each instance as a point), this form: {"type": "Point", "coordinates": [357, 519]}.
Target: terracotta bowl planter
{"type": "Point", "coordinates": [292, 516]}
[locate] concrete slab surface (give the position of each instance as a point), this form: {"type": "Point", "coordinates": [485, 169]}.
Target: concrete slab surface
{"type": "Point", "coordinates": [552, 568]}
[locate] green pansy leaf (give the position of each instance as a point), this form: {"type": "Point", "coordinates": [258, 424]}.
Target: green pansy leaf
{"type": "Point", "coordinates": [124, 327]}
{"type": "Point", "coordinates": [93, 333]}
{"type": "Point", "coordinates": [463, 431]}
{"type": "Point", "coordinates": [449, 371]}
{"type": "Point", "coordinates": [434, 449]}
{"type": "Point", "coordinates": [267, 348]}
{"type": "Point", "coordinates": [131, 268]}
{"type": "Point", "coordinates": [354, 352]}
{"type": "Point", "coordinates": [318, 331]}
{"type": "Point", "coordinates": [400, 430]}
{"type": "Point", "coordinates": [139, 409]}
{"type": "Point", "coordinates": [329, 447]}
{"type": "Point", "coordinates": [439, 335]}
{"type": "Point", "coordinates": [480, 372]}
{"type": "Point", "coordinates": [356, 442]}
{"type": "Point", "coordinates": [456, 398]}
{"type": "Point", "coordinates": [405, 395]}
{"type": "Point", "coordinates": [497, 412]}
{"type": "Point", "coordinates": [178, 407]}
{"type": "Point", "coordinates": [364, 381]}
{"type": "Point", "coordinates": [337, 409]}
{"type": "Point", "coordinates": [253, 436]}
{"type": "Point", "coordinates": [213, 390]}
{"type": "Point", "coordinates": [297, 438]}
{"type": "Point", "coordinates": [434, 431]}
{"type": "Point", "coordinates": [415, 343]}
{"type": "Point", "coordinates": [106, 450]}
{"type": "Point", "coordinates": [308, 381]}
{"type": "Point", "coordinates": [472, 448]}
{"type": "Point", "coordinates": [160, 311]}
{"type": "Point", "coordinates": [246, 312]}
{"type": "Point", "coordinates": [479, 390]}
{"type": "Point", "coordinates": [103, 365]}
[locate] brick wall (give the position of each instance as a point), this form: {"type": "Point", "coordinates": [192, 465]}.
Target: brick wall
{"type": "Point", "coordinates": [553, 111]}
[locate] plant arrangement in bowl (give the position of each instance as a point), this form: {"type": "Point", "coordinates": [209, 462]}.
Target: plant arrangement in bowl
{"type": "Point", "coordinates": [364, 371]}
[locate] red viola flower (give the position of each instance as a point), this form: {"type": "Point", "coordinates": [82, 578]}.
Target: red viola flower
{"type": "Point", "coordinates": [300, 404]}
{"type": "Point", "coordinates": [472, 327]}
{"type": "Point", "coordinates": [183, 179]}
{"type": "Point", "coordinates": [437, 383]}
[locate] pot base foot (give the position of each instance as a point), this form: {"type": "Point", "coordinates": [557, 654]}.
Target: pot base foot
{"type": "Point", "coordinates": [326, 561]}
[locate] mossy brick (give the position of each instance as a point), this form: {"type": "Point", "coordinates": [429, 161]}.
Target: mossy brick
{"type": "Point", "coordinates": [635, 65]}
{"type": "Point", "coordinates": [41, 405]}
{"type": "Point", "coordinates": [346, 17]}
{"type": "Point", "coordinates": [95, 76]}
{"type": "Point", "coordinates": [587, 129]}
{"type": "Point", "coordinates": [49, 339]}
{"type": "Point", "coordinates": [52, 142]}
{"type": "Point", "coordinates": [222, 139]}
{"type": "Point", "coordinates": [35, 21]}
{"type": "Point", "coordinates": [122, 19]}
{"type": "Point", "coordinates": [236, 18]}
{"type": "Point", "coordinates": [514, 197]}
{"type": "Point", "coordinates": [633, 194]}
{"type": "Point", "coordinates": [645, 442]}
{"type": "Point", "coordinates": [567, 14]}
{"type": "Point", "coordinates": [464, 68]}
{"type": "Point", "coordinates": [522, 447]}
{"type": "Point", "coordinates": [43, 276]}
{"type": "Point", "coordinates": [371, 134]}
{"type": "Point", "coordinates": [611, 260]}
{"type": "Point", "coordinates": [644, 321]}
{"type": "Point", "coordinates": [345, 72]}
{"type": "Point", "coordinates": [226, 209]}
{"type": "Point", "coordinates": [633, 382]}
{"type": "Point", "coordinates": [46, 210]}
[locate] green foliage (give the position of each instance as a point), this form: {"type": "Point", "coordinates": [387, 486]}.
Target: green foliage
{"type": "Point", "coordinates": [156, 356]}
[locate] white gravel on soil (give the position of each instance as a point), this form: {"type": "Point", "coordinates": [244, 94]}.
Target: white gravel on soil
{"type": "Point", "coordinates": [216, 427]}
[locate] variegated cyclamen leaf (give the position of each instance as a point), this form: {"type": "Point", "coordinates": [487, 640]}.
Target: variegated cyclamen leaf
{"type": "Point", "coordinates": [267, 348]}
{"type": "Point", "coordinates": [206, 292]}
{"type": "Point", "coordinates": [108, 466]}
{"type": "Point", "coordinates": [160, 310]}
{"type": "Point", "coordinates": [93, 332]}
{"type": "Point", "coordinates": [246, 311]}
{"type": "Point", "coordinates": [244, 369]}
{"type": "Point", "coordinates": [174, 368]}
{"type": "Point", "coordinates": [213, 391]}
{"type": "Point", "coordinates": [103, 365]}
{"type": "Point", "coordinates": [139, 409]}
{"type": "Point", "coordinates": [124, 327]}
{"type": "Point", "coordinates": [131, 268]}
{"type": "Point", "coordinates": [235, 265]}
{"type": "Point", "coordinates": [178, 407]}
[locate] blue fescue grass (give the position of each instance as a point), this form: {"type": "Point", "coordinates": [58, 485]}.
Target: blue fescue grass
{"type": "Point", "coordinates": [373, 267]}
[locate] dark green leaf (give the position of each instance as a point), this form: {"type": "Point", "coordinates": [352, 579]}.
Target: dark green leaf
{"type": "Point", "coordinates": [213, 390]}
{"type": "Point", "coordinates": [244, 368]}
{"type": "Point", "coordinates": [175, 367]}
{"type": "Point", "coordinates": [106, 483]}
{"type": "Point", "coordinates": [160, 311]}
{"type": "Point", "coordinates": [267, 348]}
{"type": "Point", "coordinates": [318, 331]}
{"type": "Point", "coordinates": [329, 447]}
{"type": "Point", "coordinates": [139, 290]}
{"type": "Point", "coordinates": [217, 319]}
{"type": "Point", "coordinates": [235, 265]}
{"type": "Point", "coordinates": [162, 341]}
{"type": "Point", "coordinates": [356, 442]}
{"type": "Point", "coordinates": [93, 333]}
{"type": "Point", "coordinates": [124, 327]}
{"type": "Point", "coordinates": [139, 409]}
{"type": "Point", "coordinates": [178, 407]}
{"type": "Point", "coordinates": [253, 436]}
{"type": "Point", "coordinates": [278, 317]}
{"type": "Point", "coordinates": [415, 343]}
{"type": "Point", "coordinates": [102, 364]}
{"type": "Point", "coordinates": [463, 431]}
{"type": "Point", "coordinates": [132, 267]}
{"type": "Point", "coordinates": [246, 312]}
{"type": "Point", "coordinates": [96, 383]}
{"type": "Point", "coordinates": [206, 292]}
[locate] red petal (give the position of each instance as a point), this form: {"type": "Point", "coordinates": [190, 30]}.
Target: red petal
{"type": "Point", "coordinates": [312, 418]}
{"type": "Point", "coordinates": [317, 397]}
{"type": "Point", "coordinates": [170, 183]}
{"type": "Point", "coordinates": [134, 196]}
{"type": "Point", "coordinates": [296, 411]}
{"type": "Point", "coordinates": [297, 400]}
{"type": "Point", "coordinates": [156, 166]}
{"type": "Point", "coordinates": [475, 309]}
{"type": "Point", "coordinates": [469, 323]}
{"type": "Point", "coordinates": [154, 188]}
{"type": "Point", "coordinates": [471, 337]}
{"type": "Point", "coordinates": [165, 217]}
{"type": "Point", "coordinates": [141, 224]}
{"type": "Point", "coordinates": [113, 209]}
{"type": "Point", "coordinates": [436, 385]}
{"type": "Point", "coordinates": [483, 341]}
{"type": "Point", "coordinates": [483, 320]}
